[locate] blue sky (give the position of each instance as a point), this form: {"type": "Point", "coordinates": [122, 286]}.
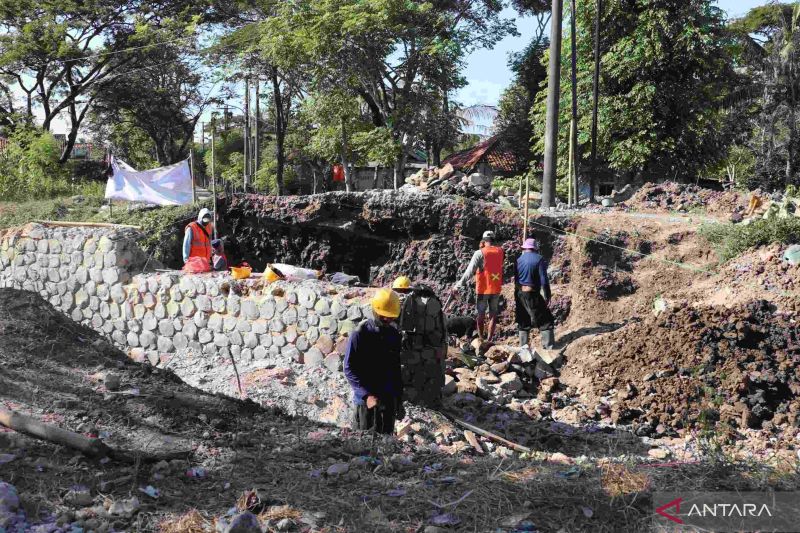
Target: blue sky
{"type": "Point", "coordinates": [487, 70]}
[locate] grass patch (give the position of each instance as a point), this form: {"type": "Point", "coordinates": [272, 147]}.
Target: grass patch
{"type": "Point", "coordinates": [731, 240]}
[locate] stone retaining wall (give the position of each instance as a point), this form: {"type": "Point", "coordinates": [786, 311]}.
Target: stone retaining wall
{"type": "Point", "coordinates": [287, 340]}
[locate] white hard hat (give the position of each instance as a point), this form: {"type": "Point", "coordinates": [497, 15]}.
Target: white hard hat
{"type": "Point", "coordinates": [488, 236]}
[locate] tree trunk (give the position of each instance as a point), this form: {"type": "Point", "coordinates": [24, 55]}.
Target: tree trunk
{"type": "Point", "coordinates": [348, 184]}
{"type": "Point", "coordinates": [280, 131]}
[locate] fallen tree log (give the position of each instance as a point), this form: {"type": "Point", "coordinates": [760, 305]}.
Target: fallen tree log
{"type": "Point", "coordinates": [70, 439]}
{"type": "Point", "coordinates": [88, 446]}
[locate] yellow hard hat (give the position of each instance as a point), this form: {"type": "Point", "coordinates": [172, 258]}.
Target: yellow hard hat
{"type": "Point", "coordinates": [242, 272]}
{"type": "Point", "coordinates": [270, 275]}
{"type": "Point", "coordinates": [386, 303]}
{"type": "Point", "coordinates": [402, 283]}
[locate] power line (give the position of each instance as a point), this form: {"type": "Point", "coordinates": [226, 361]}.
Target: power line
{"type": "Point", "coordinates": [679, 264]}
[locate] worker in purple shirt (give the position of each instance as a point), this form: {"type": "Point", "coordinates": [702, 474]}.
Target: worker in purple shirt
{"type": "Point", "coordinates": [372, 366]}
{"type": "Point", "coordinates": [533, 296]}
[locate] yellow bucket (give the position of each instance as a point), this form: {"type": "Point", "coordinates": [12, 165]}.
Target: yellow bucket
{"type": "Point", "coordinates": [241, 272]}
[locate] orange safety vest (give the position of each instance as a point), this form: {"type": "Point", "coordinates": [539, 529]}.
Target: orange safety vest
{"type": "Point", "coordinates": [201, 241]}
{"type": "Point", "coordinates": [490, 279]}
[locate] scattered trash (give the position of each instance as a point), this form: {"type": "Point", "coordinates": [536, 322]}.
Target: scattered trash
{"type": "Point", "coordinates": [587, 512]}
{"type": "Point", "coordinates": [150, 491]}
{"type": "Point", "coordinates": [572, 473]}
{"type": "Point", "coordinates": [6, 458]}
{"type": "Point", "coordinates": [396, 493]}
{"type": "Point", "coordinates": [124, 507]}
{"type": "Point", "coordinates": [337, 469]}
{"type": "Point", "coordinates": [446, 519]}
{"type": "Point", "coordinates": [197, 472]}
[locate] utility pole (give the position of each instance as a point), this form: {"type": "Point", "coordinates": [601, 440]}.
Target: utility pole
{"type": "Point", "coordinates": [246, 132]}
{"type": "Point", "coordinates": [553, 93]}
{"type": "Point", "coordinates": [573, 132]}
{"type": "Point", "coordinates": [595, 96]}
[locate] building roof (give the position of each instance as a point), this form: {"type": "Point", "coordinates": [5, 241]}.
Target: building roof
{"type": "Point", "coordinates": [491, 150]}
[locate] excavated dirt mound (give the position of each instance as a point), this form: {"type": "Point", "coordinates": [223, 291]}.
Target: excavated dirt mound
{"type": "Point", "coordinates": [672, 196]}
{"type": "Point", "coordinates": [690, 368]}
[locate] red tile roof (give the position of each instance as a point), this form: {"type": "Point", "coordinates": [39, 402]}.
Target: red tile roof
{"type": "Point", "coordinates": [490, 150]}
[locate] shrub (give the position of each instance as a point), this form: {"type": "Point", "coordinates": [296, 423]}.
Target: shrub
{"type": "Point", "coordinates": [731, 240]}
{"type": "Point", "coordinates": [30, 168]}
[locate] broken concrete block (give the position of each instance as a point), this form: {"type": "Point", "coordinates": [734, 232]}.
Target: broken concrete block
{"type": "Point", "coordinates": [510, 382]}
{"type": "Point", "coordinates": [234, 305]}
{"type": "Point", "coordinates": [277, 326]}
{"type": "Point", "coordinates": [250, 340]}
{"type": "Point", "coordinates": [235, 338]}
{"type": "Point", "coordinates": [215, 323]}
{"type": "Point", "coordinates": [306, 297]}
{"type": "Point", "coordinates": [200, 319]}
{"type": "Point", "coordinates": [289, 316]}
{"type": "Point", "coordinates": [180, 341]}
{"type": "Point", "coordinates": [188, 308]}
{"type": "Point", "coordinates": [322, 307]}
{"type": "Point", "coordinates": [149, 322]}
{"type": "Point", "coordinates": [450, 385]}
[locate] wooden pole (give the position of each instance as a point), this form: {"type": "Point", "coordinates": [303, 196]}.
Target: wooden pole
{"type": "Point", "coordinates": [527, 206]}
{"type": "Point", "coordinates": [569, 163]}
{"type": "Point", "coordinates": [520, 191]}
{"type": "Point", "coordinates": [70, 439]}
{"type": "Point", "coordinates": [213, 178]}
{"type": "Point", "coordinates": [191, 173]}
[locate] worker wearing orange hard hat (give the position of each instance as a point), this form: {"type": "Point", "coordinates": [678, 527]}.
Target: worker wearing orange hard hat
{"type": "Point", "coordinates": [372, 366]}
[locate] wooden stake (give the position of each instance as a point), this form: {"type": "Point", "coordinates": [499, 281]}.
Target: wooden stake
{"type": "Point", "coordinates": [191, 173]}
{"type": "Point", "coordinates": [70, 439]}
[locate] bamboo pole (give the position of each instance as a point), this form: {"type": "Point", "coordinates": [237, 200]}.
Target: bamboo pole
{"type": "Point", "coordinates": [527, 206]}
{"type": "Point", "coordinates": [213, 178]}
{"type": "Point", "coordinates": [569, 163]}
{"type": "Point", "coordinates": [191, 173]}
{"type": "Point", "coordinates": [85, 224]}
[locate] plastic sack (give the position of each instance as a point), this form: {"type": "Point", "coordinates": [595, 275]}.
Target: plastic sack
{"type": "Point", "coordinates": [294, 273]}
{"type": "Point", "coordinates": [197, 265]}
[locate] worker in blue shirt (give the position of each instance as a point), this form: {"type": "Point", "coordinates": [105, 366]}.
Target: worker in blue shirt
{"type": "Point", "coordinates": [533, 296]}
{"type": "Point", "coordinates": [372, 366]}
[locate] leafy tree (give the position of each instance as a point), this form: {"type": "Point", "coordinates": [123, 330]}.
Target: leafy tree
{"type": "Point", "coordinates": [165, 102]}
{"type": "Point", "coordinates": [57, 53]}
{"type": "Point", "coordinates": [395, 56]}
{"type": "Point", "coordinates": [667, 72]}
{"type": "Point", "coordinates": [29, 166]}
{"type": "Point", "coordinates": [769, 37]}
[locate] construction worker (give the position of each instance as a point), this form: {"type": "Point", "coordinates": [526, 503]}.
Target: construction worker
{"type": "Point", "coordinates": [219, 259]}
{"type": "Point", "coordinates": [533, 295]}
{"type": "Point", "coordinates": [402, 285]}
{"type": "Point", "coordinates": [487, 267]}
{"type": "Point", "coordinates": [197, 237]}
{"type": "Point", "coordinates": [372, 366]}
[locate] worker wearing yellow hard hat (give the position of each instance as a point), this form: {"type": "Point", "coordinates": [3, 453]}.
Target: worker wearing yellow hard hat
{"type": "Point", "coordinates": [402, 285]}
{"type": "Point", "coordinates": [372, 366]}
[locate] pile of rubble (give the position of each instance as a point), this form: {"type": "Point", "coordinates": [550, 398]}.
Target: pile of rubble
{"type": "Point", "coordinates": [447, 180]}
{"type": "Point", "coordinates": [691, 368]}
{"type": "Point", "coordinates": [673, 196]}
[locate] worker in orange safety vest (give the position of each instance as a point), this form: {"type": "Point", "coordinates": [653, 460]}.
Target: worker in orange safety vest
{"type": "Point", "coordinates": [197, 237]}
{"type": "Point", "coordinates": [487, 267]}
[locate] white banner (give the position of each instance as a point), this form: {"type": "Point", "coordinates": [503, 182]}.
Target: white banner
{"type": "Point", "coordinates": [170, 185]}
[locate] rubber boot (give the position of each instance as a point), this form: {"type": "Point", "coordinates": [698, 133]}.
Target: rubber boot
{"type": "Point", "coordinates": [524, 337]}
{"type": "Point", "coordinates": [548, 339]}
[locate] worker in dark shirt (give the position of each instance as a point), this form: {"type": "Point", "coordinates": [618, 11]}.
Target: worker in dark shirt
{"type": "Point", "coordinates": [533, 296]}
{"type": "Point", "coordinates": [372, 366]}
